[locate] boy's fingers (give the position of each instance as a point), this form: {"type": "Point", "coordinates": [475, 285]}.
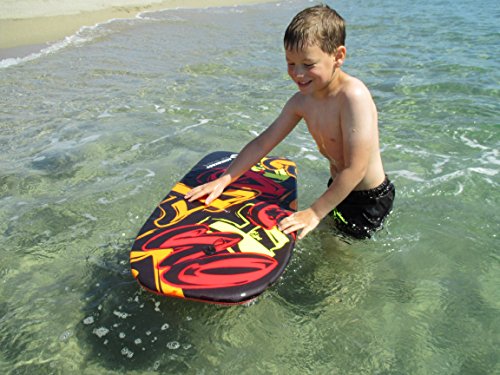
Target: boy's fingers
{"type": "Point", "coordinates": [199, 192]}
{"type": "Point", "coordinates": [286, 222]}
{"type": "Point", "coordinates": [290, 225]}
{"type": "Point", "coordinates": [194, 197]}
{"type": "Point", "coordinates": [213, 189]}
{"type": "Point", "coordinates": [194, 194]}
{"type": "Point", "coordinates": [303, 233]}
{"type": "Point", "coordinates": [209, 199]}
{"type": "Point", "coordinates": [213, 196]}
{"type": "Point", "coordinates": [293, 228]}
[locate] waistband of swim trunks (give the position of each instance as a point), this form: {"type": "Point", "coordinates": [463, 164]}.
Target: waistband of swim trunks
{"type": "Point", "coordinates": [376, 192]}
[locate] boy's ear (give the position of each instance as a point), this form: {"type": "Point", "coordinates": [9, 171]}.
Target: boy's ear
{"type": "Point", "coordinates": [340, 55]}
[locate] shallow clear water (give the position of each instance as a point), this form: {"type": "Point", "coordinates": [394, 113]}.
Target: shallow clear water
{"type": "Point", "coordinates": [96, 132]}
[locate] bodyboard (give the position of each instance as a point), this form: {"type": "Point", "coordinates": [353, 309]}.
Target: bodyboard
{"type": "Point", "coordinates": [228, 252]}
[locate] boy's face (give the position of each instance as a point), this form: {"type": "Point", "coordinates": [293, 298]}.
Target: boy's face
{"type": "Point", "coordinates": [311, 68]}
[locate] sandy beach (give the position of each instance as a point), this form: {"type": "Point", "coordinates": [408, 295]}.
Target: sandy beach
{"type": "Point", "coordinates": [27, 25]}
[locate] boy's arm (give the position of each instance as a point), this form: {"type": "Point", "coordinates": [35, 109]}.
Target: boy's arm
{"type": "Point", "coordinates": [357, 121]}
{"type": "Point", "coordinates": [250, 154]}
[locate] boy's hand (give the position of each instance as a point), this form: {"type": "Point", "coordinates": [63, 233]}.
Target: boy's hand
{"type": "Point", "coordinates": [306, 220]}
{"type": "Point", "coordinates": [213, 189]}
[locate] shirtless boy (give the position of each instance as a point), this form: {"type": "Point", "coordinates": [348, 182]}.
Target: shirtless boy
{"type": "Point", "coordinates": [341, 117]}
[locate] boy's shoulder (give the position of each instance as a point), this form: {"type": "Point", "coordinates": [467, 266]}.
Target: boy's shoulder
{"type": "Point", "coordinates": [348, 92]}
{"type": "Point", "coordinates": [353, 87]}
{"type": "Point", "coordinates": [354, 95]}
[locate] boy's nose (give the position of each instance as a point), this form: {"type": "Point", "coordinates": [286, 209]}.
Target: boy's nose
{"type": "Point", "coordinates": [298, 71]}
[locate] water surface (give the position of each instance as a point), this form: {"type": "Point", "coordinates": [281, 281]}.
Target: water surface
{"type": "Point", "coordinates": [95, 131]}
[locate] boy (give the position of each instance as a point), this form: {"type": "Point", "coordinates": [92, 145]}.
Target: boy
{"type": "Point", "coordinates": [341, 117]}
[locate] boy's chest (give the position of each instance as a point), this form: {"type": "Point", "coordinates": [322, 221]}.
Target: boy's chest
{"type": "Point", "coordinates": [324, 125]}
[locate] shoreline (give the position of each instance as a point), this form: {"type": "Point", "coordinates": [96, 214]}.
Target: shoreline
{"type": "Point", "coordinates": [18, 38]}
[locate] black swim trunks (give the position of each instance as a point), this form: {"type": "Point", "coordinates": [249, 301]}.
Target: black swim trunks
{"type": "Point", "coordinates": [363, 212]}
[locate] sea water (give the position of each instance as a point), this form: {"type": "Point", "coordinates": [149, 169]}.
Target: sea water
{"type": "Point", "coordinates": [97, 128]}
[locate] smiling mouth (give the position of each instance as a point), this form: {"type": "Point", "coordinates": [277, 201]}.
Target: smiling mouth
{"type": "Point", "coordinates": [303, 84]}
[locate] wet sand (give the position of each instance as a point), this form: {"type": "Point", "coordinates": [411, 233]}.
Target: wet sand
{"type": "Point", "coordinates": [29, 25]}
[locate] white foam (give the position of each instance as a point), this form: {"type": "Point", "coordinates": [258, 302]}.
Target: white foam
{"type": "Point", "coordinates": [104, 201]}
{"type": "Point", "coordinates": [90, 138]}
{"type": "Point", "coordinates": [105, 114]}
{"type": "Point", "coordinates": [472, 143]}
{"type": "Point", "coordinates": [159, 109]}
{"type": "Point", "coordinates": [136, 147]}
{"type": "Point", "coordinates": [492, 157]}
{"type": "Point", "coordinates": [84, 35]}
{"type": "Point", "coordinates": [408, 175]}
{"type": "Point", "coordinates": [460, 189]}
{"type": "Point", "coordinates": [240, 114]}
{"type": "Point", "coordinates": [484, 171]}
{"type": "Point", "coordinates": [448, 176]}
{"type": "Point", "coordinates": [438, 166]}
{"type": "Point", "coordinates": [90, 217]}
{"type": "Point", "coordinates": [202, 122]}
{"type": "Point", "coordinates": [311, 157]}
{"type": "Point", "coordinates": [75, 39]}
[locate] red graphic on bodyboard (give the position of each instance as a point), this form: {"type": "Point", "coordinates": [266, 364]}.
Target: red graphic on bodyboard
{"type": "Point", "coordinates": [228, 252]}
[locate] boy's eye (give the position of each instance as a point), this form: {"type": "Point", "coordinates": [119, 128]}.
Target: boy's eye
{"type": "Point", "coordinates": [308, 65]}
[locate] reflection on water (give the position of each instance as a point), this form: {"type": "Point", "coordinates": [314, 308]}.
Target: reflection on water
{"type": "Point", "coordinates": [94, 134]}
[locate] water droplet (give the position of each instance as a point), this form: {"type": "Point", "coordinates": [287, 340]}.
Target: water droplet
{"type": "Point", "coordinates": [173, 345]}
{"type": "Point", "coordinates": [65, 335]}
{"type": "Point", "coordinates": [120, 314]}
{"type": "Point", "coordinates": [100, 332]}
{"type": "Point", "coordinates": [127, 352]}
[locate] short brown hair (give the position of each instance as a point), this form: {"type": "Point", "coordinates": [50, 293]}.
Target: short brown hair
{"type": "Point", "coordinates": [318, 25]}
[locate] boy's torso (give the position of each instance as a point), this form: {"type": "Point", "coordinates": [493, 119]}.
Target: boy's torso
{"type": "Point", "coordinates": [323, 118]}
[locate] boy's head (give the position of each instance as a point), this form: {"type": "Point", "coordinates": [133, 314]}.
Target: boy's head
{"type": "Point", "coordinates": [320, 26]}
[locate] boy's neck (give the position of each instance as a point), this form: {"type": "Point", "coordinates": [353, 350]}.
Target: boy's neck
{"type": "Point", "coordinates": [333, 87]}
